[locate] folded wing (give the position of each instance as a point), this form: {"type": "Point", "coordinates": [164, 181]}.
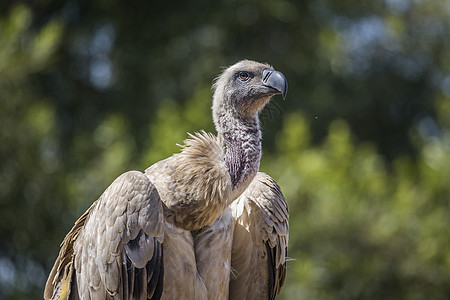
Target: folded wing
{"type": "Point", "coordinates": [260, 240]}
{"type": "Point", "coordinates": [114, 251]}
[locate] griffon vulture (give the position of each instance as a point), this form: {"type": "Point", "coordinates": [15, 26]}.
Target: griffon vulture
{"type": "Point", "coordinates": [174, 231]}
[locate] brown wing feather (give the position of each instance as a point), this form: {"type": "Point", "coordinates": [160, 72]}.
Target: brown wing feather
{"type": "Point", "coordinates": [114, 249]}
{"type": "Point", "coordinates": [61, 274]}
{"type": "Point", "coordinates": [260, 241]}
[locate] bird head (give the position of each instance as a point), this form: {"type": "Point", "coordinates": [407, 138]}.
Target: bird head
{"type": "Point", "coordinates": [246, 87]}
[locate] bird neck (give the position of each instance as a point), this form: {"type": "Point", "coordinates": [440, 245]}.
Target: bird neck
{"type": "Point", "coordinates": [242, 138]}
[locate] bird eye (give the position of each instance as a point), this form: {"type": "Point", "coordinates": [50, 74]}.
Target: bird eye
{"type": "Point", "coordinates": [244, 76]}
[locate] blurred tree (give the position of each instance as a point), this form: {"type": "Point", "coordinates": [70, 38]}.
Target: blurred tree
{"type": "Point", "coordinates": [29, 166]}
{"type": "Point", "coordinates": [90, 89]}
{"type": "Point", "coordinates": [358, 230]}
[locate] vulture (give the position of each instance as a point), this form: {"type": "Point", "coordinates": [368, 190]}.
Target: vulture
{"type": "Point", "coordinates": [201, 224]}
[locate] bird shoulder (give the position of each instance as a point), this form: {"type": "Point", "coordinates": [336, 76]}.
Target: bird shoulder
{"type": "Point", "coordinates": [194, 184]}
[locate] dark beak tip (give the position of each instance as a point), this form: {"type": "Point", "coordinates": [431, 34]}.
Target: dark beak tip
{"type": "Point", "coordinates": [285, 90]}
{"type": "Point", "coordinates": [275, 80]}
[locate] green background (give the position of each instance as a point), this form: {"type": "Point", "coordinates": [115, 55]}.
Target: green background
{"type": "Point", "coordinates": [360, 147]}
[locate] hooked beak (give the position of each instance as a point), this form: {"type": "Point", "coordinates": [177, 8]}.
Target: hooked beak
{"type": "Point", "coordinates": [276, 81]}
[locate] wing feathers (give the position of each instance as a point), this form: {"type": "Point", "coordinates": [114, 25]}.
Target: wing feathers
{"type": "Point", "coordinates": [140, 250]}
{"type": "Point", "coordinates": [260, 240]}
{"type": "Point", "coordinates": [155, 273]}
{"type": "Point", "coordinates": [115, 245]}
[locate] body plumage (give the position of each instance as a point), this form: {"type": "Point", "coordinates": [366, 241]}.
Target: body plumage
{"type": "Point", "coordinates": [201, 224]}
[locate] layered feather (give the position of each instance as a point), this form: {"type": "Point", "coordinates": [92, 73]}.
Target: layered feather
{"type": "Point", "coordinates": [93, 262]}
{"type": "Point", "coordinates": [260, 240]}
{"type": "Point", "coordinates": [194, 185]}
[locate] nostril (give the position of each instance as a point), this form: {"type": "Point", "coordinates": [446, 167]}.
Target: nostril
{"type": "Point", "coordinates": [266, 74]}
{"type": "Point", "coordinates": [275, 81]}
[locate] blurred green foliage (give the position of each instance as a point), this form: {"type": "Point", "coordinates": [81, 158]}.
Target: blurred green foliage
{"type": "Point", "coordinates": [361, 229]}
{"type": "Point", "coordinates": [361, 147]}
